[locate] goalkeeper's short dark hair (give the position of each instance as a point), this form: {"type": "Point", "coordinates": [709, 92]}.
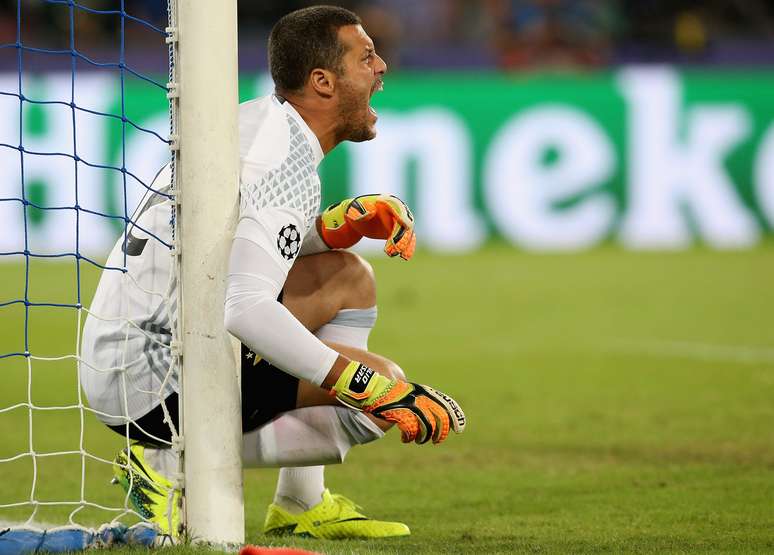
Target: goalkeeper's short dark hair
{"type": "Point", "coordinates": [304, 40]}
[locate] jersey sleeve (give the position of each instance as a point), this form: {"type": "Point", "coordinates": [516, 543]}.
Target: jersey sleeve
{"type": "Point", "coordinates": [262, 254]}
{"type": "Point", "coordinates": [279, 200]}
{"type": "Point", "coordinates": [278, 231]}
{"type": "Point", "coordinates": [313, 243]}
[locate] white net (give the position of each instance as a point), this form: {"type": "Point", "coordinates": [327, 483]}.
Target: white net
{"type": "Point", "coordinates": [81, 145]}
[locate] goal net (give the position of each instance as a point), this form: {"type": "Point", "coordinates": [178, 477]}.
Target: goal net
{"type": "Point", "coordinates": [80, 163]}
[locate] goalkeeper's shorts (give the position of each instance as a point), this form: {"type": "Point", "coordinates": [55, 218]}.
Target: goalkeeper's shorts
{"type": "Point", "coordinates": [267, 391]}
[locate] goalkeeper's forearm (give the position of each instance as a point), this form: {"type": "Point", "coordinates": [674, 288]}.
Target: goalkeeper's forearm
{"type": "Point", "coordinates": [255, 317]}
{"type": "Point", "coordinates": [268, 328]}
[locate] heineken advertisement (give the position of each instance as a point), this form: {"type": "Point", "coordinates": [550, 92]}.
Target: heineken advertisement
{"type": "Point", "coordinates": [649, 157]}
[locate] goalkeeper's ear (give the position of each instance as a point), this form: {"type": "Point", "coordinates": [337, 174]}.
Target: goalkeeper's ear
{"type": "Point", "coordinates": [322, 82]}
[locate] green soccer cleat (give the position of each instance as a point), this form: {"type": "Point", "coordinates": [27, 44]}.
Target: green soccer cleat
{"type": "Point", "coordinates": [151, 494]}
{"type": "Point", "coordinates": [334, 518]}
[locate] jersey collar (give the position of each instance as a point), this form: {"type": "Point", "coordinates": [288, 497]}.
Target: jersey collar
{"type": "Point", "coordinates": [311, 137]}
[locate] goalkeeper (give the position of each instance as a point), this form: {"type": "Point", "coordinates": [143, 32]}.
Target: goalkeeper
{"type": "Point", "coordinates": [307, 397]}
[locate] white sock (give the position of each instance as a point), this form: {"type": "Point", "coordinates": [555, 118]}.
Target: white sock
{"type": "Point", "coordinates": [305, 437]}
{"type": "Point", "coordinates": [299, 489]}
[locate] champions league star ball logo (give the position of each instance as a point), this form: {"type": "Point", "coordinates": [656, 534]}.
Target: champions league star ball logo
{"type": "Point", "coordinates": [289, 241]}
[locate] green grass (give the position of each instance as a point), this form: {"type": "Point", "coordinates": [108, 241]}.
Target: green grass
{"type": "Point", "coordinates": [617, 402]}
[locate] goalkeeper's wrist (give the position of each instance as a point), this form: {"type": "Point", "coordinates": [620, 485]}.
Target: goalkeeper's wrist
{"type": "Point", "coordinates": [338, 367]}
{"type": "Point", "coordinates": [358, 385]}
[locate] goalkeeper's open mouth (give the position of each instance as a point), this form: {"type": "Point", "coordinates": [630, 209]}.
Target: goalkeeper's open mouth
{"type": "Point", "coordinates": [378, 86]}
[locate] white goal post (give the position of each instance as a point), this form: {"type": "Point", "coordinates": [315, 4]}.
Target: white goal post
{"type": "Point", "coordinates": [207, 174]}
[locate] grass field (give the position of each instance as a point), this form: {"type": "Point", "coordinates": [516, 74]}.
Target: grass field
{"type": "Point", "coordinates": [617, 402]}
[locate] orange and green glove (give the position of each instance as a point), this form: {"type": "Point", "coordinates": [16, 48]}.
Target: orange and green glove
{"type": "Point", "coordinates": [420, 411]}
{"type": "Point", "coordinates": [375, 216]}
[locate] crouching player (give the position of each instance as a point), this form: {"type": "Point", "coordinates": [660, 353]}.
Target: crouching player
{"type": "Point", "coordinates": [301, 308]}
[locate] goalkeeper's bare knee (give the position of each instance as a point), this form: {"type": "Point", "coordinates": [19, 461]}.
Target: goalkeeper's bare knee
{"type": "Point", "coordinates": [358, 282]}
{"type": "Point", "coordinates": [321, 285]}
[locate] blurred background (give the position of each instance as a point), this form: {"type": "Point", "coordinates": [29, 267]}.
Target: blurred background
{"type": "Point", "coordinates": [481, 34]}
{"type": "Point", "coordinates": [554, 124]}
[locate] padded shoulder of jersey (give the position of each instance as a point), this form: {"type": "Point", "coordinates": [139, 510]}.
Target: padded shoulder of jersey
{"type": "Point", "coordinates": [263, 133]}
{"type": "Point", "coordinates": [279, 167]}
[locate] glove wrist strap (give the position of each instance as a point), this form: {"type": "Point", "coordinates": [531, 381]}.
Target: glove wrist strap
{"type": "Point", "coordinates": [357, 384]}
{"type": "Point", "coordinates": [335, 230]}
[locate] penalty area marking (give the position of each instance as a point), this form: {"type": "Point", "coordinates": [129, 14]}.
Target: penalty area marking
{"type": "Point", "coordinates": [710, 352]}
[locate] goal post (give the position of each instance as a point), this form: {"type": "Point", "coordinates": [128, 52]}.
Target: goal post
{"type": "Point", "coordinates": [207, 173]}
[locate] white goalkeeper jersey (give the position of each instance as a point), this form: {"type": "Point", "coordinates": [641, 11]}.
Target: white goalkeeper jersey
{"type": "Point", "coordinates": [125, 354]}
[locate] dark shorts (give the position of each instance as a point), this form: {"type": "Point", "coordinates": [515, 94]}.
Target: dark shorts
{"type": "Point", "coordinates": [266, 392]}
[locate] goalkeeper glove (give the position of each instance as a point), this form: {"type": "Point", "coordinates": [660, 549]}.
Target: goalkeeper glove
{"type": "Point", "coordinates": [375, 216]}
{"type": "Point", "coordinates": [420, 411]}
